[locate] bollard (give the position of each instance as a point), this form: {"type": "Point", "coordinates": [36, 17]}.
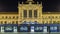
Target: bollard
{"type": "Point", "coordinates": [15, 29]}
{"type": "Point", "coordinates": [32, 28]}
{"type": "Point", "coordinates": [45, 29]}
{"type": "Point", "coordinates": [2, 29]}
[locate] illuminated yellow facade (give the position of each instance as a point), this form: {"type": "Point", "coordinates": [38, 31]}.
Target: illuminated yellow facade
{"type": "Point", "coordinates": [30, 12]}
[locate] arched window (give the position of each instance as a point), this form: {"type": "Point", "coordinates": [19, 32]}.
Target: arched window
{"type": "Point", "coordinates": [56, 16]}
{"type": "Point", "coordinates": [53, 17]}
{"type": "Point", "coordinates": [12, 22]}
{"type": "Point", "coordinates": [16, 17]}
{"type": "Point", "coordinates": [6, 17]}
{"type": "Point", "coordinates": [49, 17]}
{"type": "Point", "coordinates": [16, 22]}
{"type": "Point", "coordinates": [5, 22]}
{"type": "Point", "coordinates": [13, 17]}
{"type": "Point", "coordinates": [35, 22]}
{"type": "Point", "coordinates": [9, 17]}
{"type": "Point", "coordinates": [2, 17]}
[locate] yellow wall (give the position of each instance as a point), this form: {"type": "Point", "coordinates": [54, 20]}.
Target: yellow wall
{"type": "Point", "coordinates": [42, 17]}
{"type": "Point", "coordinates": [51, 17]}
{"type": "Point", "coordinates": [8, 18]}
{"type": "Point", "coordinates": [28, 7]}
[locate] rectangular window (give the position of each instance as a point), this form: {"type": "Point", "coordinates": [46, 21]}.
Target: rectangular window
{"type": "Point", "coordinates": [30, 13]}
{"type": "Point", "coordinates": [12, 22]}
{"type": "Point", "coordinates": [13, 17]}
{"type": "Point", "coordinates": [16, 22]}
{"type": "Point", "coordinates": [35, 13]}
{"type": "Point", "coordinates": [8, 29]}
{"type": "Point", "coordinates": [25, 13]}
{"type": "Point", "coordinates": [5, 22]}
{"type": "Point", "coordinates": [6, 17]}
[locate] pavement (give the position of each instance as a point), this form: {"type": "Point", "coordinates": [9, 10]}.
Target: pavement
{"type": "Point", "coordinates": [28, 33]}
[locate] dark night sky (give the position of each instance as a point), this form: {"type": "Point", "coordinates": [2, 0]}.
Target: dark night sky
{"type": "Point", "coordinates": [11, 5]}
{"type": "Point", "coordinates": [51, 5]}
{"type": "Point", "coordinates": [8, 5]}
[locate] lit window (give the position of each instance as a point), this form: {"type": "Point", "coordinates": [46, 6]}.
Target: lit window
{"type": "Point", "coordinates": [51, 28]}
{"type": "Point", "coordinates": [37, 28]}
{"type": "Point", "coordinates": [55, 28]}
{"type": "Point", "coordinates": [23, 28]}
